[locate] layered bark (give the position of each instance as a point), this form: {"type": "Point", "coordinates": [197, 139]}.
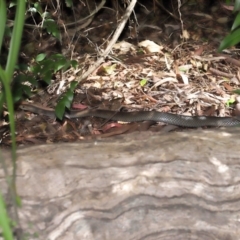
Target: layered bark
{"type": "Point", "coordinates": [136, 186]}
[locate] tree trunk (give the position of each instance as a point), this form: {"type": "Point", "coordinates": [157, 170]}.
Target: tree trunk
{"type": "Point", "coordinates": [182, 185]}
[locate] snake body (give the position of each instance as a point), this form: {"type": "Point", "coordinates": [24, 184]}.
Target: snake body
{"type": "Point", "coordinates": [169, 118]}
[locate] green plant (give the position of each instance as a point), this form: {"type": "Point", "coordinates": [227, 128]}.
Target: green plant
{"type": "Point", "coordinates": [43, 66]}
{"type": "Point", "coordinates": [6, 97]}
{"type": "Point", "coordinates": [47, 22]}
{"type": "Point", "coordinates": [234, 37]}
{"type": "Point", "coordinates": [66, 100]}
{"type": "Point", "coordinates": [4, 220]}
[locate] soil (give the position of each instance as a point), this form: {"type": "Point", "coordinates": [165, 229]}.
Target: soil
{"type": "Point", "coordinates": [185, 75]}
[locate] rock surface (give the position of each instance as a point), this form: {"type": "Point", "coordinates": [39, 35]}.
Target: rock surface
{"type": "Point", "coordinates": [182, 185]}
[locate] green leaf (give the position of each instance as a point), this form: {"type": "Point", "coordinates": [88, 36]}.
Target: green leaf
{"type": "Point", "coordinates": [237, 5]}
{"type": "Point", "coordinates": [32, 10]}
{"type": "Point", "coordinates": [46, 65]}
{"type": "Point", "coordinates": [230, 40]}
{"type": "Point", "coordinates": [230, 102]}
{"type": "Point", "coordinates": [19, 89]}
{"type": "Point", "coordinates": [17, 95]}
{"type": "Point", "coordinates": [73, 85]}
{"type": "Point", "coordinates": [68, 104]}
{"type": "Point", "coordinates": [74, 63]}
{"type": "Point", "coordinates": [60, 109]}
{"type": "Point", "coordinates": [57, 56]}
{"type": "Point", "coordinates": [40, 57]}
{"type": "Point", "coordinates": [22, 67]}
{"type": "Point", "coordinates": [47, 76]}
{"type": "Point", "coordinates": [31, 80]}
{"type": "Point", "coordinates": [12, 4]}
{"type": "Point", "coordinates": [143, 82]}
{"type": "Point", "coordinates": [236, 22]}
{"type": "Point", "coordinates": [35, 69]}
{"type": "Point", "coordinates": [27, 90]}
{"type": "Point", "coordinates": [69, 95]}
{"type": "Point", "coordinates": [52, 28]}
{"type": "Point", "coordinates": [69, 3]}
{"type": "Point", "coordinates": [60, 64]}
{"type": "Point", "coordinates": [66, 100]}
{"type": "Point", "coordinates": [66, 65]}
{"type": "Point", "coordinates": [46, 15]}
{"type": "Point", "coordinates": [38, 8]}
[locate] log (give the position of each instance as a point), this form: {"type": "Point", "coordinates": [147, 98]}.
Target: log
{"type": "Point", "coordinates": [182, 185]}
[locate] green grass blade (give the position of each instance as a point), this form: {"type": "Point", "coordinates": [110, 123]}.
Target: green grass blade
{"type": "Point", "coordinates": [16, 39]}
{"type": "Point", "coordinates": [3, 15]}
{"type": "Point", "coordinates": [4, 221]}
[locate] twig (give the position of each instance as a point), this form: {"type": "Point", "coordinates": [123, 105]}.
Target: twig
{"type": "Point", "coordinates": [220, 73]}
{"type": "Point", "coordinates": [167, 11]}
{"type": "Point", "coordinates": [99, 7]}
{"type": "Point", "coordinates": [83, 20]}
{"type": "Point", "coordinates": [115, 37]}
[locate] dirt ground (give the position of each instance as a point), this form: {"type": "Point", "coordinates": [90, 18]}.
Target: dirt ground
{"type": "Point", "coordinates": [178, 69]}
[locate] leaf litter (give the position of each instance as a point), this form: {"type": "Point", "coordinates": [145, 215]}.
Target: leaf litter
{"type": "Point", "coordinates": [190, 78]}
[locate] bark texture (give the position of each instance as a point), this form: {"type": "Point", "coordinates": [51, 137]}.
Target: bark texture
{"type": "Point", "coordinates": [137, 186]}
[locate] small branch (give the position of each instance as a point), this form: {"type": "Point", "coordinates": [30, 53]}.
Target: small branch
{"type": "Point", "coordinates": [82, 21]}
{"type": "Point", "coordinates": [220, 73]}
{"type": "Point", "coordinates": [114, 39]}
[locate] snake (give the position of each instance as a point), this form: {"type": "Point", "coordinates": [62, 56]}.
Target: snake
{"type": "Point", "coordinates": [138, 116]}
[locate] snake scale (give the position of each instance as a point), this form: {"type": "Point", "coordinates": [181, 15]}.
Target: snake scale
{"type": "Point", "coordinates": [169, 118]}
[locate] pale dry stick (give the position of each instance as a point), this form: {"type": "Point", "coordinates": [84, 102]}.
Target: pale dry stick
{"type": "Point", "coordinates": [115, 37]}
{"type": "Point", "coordinates": [180, 16]}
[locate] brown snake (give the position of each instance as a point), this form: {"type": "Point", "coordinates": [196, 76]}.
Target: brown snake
{"type": "Point", "coordinates": [169, 118]}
